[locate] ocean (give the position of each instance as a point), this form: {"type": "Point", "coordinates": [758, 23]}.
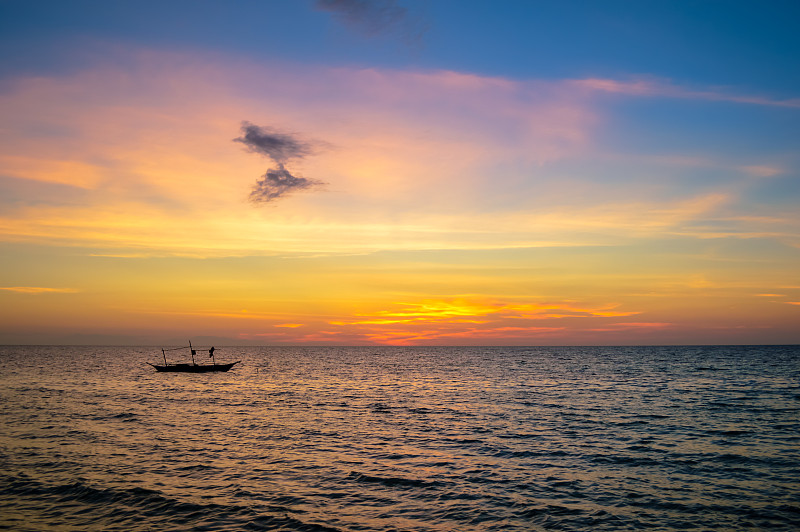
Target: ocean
{"type": "Point", "coordinates": [402, 439]}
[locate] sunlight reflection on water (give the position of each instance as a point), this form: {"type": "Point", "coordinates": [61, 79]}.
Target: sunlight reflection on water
{"type": "Point", "coordinates": [403, 439]}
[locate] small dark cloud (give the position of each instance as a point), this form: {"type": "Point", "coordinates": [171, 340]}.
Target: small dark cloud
{"type": "Point", "coordinates": [278, 182]}
{"type": "Point", "coordinates": [280, 148]}
{"type": "Point", "coordinates": [277, 146]}
{"type": "Point", "coordinates": [375, 17]}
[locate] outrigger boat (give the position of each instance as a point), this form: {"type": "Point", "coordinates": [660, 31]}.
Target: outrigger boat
{"type": "Point", "coordinates": [194, 367]}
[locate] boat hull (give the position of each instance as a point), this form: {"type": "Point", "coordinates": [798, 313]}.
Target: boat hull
{"type": "Point", "coordinates": [194, 368]}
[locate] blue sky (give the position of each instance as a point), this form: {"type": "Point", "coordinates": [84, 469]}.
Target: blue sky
{"type": "Point", "coordinates": [749, 45]}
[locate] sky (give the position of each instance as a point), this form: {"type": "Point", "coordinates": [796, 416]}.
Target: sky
{"type": "Point", "coordinates": [408, 172]}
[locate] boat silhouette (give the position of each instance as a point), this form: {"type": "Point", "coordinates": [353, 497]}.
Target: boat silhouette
{"type": "Point", "coordinates": [194, 367]}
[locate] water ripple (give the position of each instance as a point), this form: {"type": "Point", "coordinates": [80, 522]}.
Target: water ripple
{"type": "Point", "coordinates": [411, 439]}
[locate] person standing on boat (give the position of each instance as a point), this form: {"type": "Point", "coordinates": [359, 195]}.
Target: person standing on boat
{"type": "Point", "coordinates": [211, 352]}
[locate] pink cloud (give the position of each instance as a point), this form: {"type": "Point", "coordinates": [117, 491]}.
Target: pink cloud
{"type": "Point", "coordinates": [149, 140]}
{"type": "Point", "coordinates": [656, 88]}
{"type": "Point", "coordinates": [762, 170]}
{"type": "Point", "coordinates": [413, 159]}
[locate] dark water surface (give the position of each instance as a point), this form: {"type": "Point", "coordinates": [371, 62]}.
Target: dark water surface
{"type": "Point", "coordinates": [405, 439]}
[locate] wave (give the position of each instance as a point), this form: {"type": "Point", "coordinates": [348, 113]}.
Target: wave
{"type": "Point", "coordinates": [81, 505]}
{"type": "Point", "coordinates": [474, 440]}
{"type": "Point", "coordinates": [392, 481]}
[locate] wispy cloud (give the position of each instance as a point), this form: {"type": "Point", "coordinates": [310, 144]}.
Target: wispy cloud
{"type": "Point", "coordinates": [655, 88]}
{"type": "Point", "coordinates": [470, 335]}
{"type": "Point", "coordinates": [762, 170]}
{"type": "Point", "coordinates": [433, 310]}
{"type": "Point", "coordinates": [443, 320]}
{"type": "Point", "coordinates": [35, 290]}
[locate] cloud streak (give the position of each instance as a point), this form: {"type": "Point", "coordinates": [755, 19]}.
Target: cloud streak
{"type": "Point", "coordinates": [38, 290]}
{"type": "Point", "coordinates": [651, 88]}
{"type": "Point", "coordinates": [280, 148]}
{"type": "Point", "coordinates": [441, 321]}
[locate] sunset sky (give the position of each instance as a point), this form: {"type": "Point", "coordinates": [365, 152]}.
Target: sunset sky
{"type": "Point", "coordinates": [444, 172]}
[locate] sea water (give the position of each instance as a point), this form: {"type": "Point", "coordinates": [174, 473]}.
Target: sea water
{"type": "Point", "coordinates": [402, 439]}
